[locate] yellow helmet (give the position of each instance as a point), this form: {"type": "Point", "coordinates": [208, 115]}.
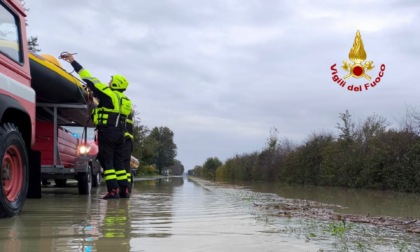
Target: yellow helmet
{"type": "Point", "coordinates": [119, 82]}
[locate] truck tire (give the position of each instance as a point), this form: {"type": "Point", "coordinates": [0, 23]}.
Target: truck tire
{"type": "Point", "coordinates": [84, 181]}
{"type": "Point", "coordinates": [14, 171]}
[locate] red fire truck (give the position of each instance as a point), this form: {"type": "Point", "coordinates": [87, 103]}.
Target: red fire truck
{"type": "Point", "coordinates": [37, 99]}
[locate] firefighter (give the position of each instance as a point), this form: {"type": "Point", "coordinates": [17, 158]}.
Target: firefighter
{"type": "Point", "coordinates": [109, 117]}
{"type": "Point", "coordinates": [128, 148]}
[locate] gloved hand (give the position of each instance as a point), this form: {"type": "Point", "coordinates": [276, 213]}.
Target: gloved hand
{"type": "Point", "coordinates": [67, 56]}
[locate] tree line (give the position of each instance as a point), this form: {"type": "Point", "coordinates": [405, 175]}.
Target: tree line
{"type": "Point", "coordinates": [155, 149]}
{"type": "Point", "coordinates": [368, 154]}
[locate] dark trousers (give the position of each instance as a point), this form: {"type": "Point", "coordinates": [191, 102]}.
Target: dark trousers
{"type": "Point", "coordinates": [128, 149]}
{"type": "Point", "coordinates": [111, 156]}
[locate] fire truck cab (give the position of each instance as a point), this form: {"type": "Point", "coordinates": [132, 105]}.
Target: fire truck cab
{"type": "Point", "coordinates": [17, 111]}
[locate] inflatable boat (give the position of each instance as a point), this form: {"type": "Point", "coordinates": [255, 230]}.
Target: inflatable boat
{"type": "Point", "coordinates": [52, 83]}
{"type": "Point", "coordinates": [56, 89]}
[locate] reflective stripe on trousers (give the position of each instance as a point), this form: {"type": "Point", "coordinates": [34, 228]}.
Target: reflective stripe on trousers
{"type": "Point", "coordinates": [110, 174]}
{"type": "Point", "coordinates": [121, 175]}
{"type": "Point", "coordinates": [129, 177]}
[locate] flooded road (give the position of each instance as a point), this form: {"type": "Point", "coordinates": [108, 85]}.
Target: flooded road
{"type": "Point", "coordinates": [178, 214]}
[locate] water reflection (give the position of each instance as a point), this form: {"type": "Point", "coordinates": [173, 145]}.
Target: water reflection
{"type": "Point", "coordinates": [113, 226]}
{"type": "Point", "coordinates": [65, 221]}
{"type": "Point", "coordinates": [49, 224]}
{"type": "Point", "coordinates": [153, 217]}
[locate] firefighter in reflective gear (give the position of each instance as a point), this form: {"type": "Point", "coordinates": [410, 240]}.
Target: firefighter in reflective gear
{"type": "Point", "coordinates": [128, 148]}
{"type": "Point", "coordinates": [109, 118]}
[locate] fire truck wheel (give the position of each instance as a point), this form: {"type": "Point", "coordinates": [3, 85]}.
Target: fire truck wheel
{"type": "Point", "coordinates": [84, 181]}
{"type": "Point", "coordinates": [14, 171]}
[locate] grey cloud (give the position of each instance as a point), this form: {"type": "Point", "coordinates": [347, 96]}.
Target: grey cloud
{"type": "Point", "coordinates": [206, 69]}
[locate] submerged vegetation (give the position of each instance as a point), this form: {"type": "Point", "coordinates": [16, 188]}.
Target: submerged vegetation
{"type": "Point", "coordinates": [319, 223]}
{"type": "Point", "coordinates": [369, 154]}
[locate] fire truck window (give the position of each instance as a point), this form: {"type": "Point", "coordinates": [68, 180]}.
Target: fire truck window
{"type": "Point", "coordinates": [9, 34]}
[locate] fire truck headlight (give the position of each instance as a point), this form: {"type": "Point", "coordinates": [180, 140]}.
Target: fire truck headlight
{"type": "Point", "coordinates": [83, 149]}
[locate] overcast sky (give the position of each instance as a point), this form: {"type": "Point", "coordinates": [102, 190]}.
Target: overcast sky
{"type": "Point", "coordinates": [220, 74]}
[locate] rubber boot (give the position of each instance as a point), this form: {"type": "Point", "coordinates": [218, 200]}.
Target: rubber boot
{"type": "Point", "coordinates": [113, 194]}
{"type": "Point", "coordinates": [124, 193]}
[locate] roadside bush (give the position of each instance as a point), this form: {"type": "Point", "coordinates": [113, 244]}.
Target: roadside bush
{"type": "Point", "coordinates": [365, 155]}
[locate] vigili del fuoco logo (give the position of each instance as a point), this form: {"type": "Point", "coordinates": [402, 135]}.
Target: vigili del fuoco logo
{"type": "Point", "coordinates": [358, 68]}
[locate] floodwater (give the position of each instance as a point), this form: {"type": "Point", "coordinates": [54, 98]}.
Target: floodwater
{"type": "Point", "coordinates": [353, 201]}
{"type": "Point", "coordinates": [179, 214]}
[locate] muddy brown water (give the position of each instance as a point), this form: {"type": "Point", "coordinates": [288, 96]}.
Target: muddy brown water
{"type": "Point", "coordinates": [179, 214]}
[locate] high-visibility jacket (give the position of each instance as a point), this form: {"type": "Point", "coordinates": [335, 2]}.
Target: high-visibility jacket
{"type": "Point", "coordinates": [113, 108]}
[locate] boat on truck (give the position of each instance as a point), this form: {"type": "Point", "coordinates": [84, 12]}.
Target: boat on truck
{"type": "Point", "coordinates": [63, 101]}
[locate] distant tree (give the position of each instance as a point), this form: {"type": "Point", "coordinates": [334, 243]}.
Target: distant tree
{"type": "Point", "coordinates": [272, 141]}
{"type": "Point", "coordinates": [374, 125]}
{"type": "Point", "coordinates": [210, 167]}
{"type": "Point", "coordinates": [410, 121]}
{"type": "Point", "coordinates": [32, 41]}
{"type": "Point", "coordinates": [165, 149]}
{"type": "Point", "coordinates": [33, 44]}
{"type": "Point", "coordinates": [347, 128]}
{"type": "Point", "coordinates": [264, 167]}
{"type": "Point", "coordinates": [197, 171]}
{"type": "Point", "coordinates": [144, 146]}
{"type": "Point", "coordinates": [177, 168]}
